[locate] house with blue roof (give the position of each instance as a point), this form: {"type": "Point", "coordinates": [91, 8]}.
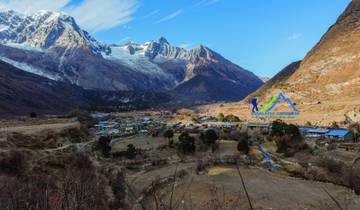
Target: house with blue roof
{"type": "Point", "coordinates": [345, 135]}
{"type": "Point", "coordinates": [314, 132]}
{"type": "Point", "coordinates": [340, 134]}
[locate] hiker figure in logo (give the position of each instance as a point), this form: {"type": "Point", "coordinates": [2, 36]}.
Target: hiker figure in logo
{"type": "Point", "coordinates": [254, 104]}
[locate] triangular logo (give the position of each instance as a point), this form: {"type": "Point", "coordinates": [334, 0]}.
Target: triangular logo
{"type": "Point", "coordinates": [274, 102]}
{"type": "Point", "coordinates": [272, 108]}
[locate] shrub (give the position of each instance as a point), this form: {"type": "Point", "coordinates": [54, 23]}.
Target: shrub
{"type": "Point", "coordinates": [13, 162]}
{"type": "Point", "coordinates": [301, 146]}
{"type": "Point", "coordinates": [334, 125]}
{"type": "Point", "coordinates": [287, 137]}
{"type": "Point", "coordinates": [232, 118]}
{"type": "Point", "coordinates": [316, 174]}
{"type": "Point", "coordinates": [308, 124]}
{"type": "Point", "coordinates": [131, 151]}
{"type": "Point", "coordinates": [278, 128]}
{"type": "Point", "coordinates": [119, 188]}
{"type": "Point", "coordinates": [220, 117]}
{"type": "Point", "coordinates": [292, 130]}
{"type": "Point", "coordinates": [243, 146]}
{"type": "Point", "coordinates": [281, 143]}
{"type": "Point", "coordinates": [75, 188]}
{"type": "Point", "coordinates": [242, 136]}
{"type": "Point", "coordinates": [354, 180]}
{"type": "Point", "coordinates": [82, 189]}
{"type": "Point", "coordinates": [169, 134]}
{"type": "Point", "coordinates": [289, 152]}
{"type": "Point", "coordinates": [209, 137]}
{"type": "Point", "coordinates": [103, 144]}
{"type": "Point", "coordinates": [186, 143]}
{"type": "Point", "coordinates": [82, 161]}
{"type": "Point", "coordinates": [332, 165]}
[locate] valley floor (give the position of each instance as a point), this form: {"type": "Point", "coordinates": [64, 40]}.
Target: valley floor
{"type": "Point", "coordinates": [160, 176]}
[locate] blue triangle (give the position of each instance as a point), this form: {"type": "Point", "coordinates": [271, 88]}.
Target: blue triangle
{"type": "Point", "coordinates": [287, 100]}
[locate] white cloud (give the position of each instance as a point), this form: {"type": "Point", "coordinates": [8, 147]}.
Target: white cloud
{"type": "Point", "coordinates": [97, 15]}
{"type": "Point", "coordinates": [170, 16]}
{"type": "Point", "coordinates": [294, 36]}
{"type": "Point", "coordinates": [30, 6]}
{"type": "Point", "coordinates": [210, 2]}
{"type": "Point", "coordinates": [150, 14]}
{"type": "Point", "coordinates": [92, 15]}
{"type": "Point", "coordinates": [124, 39]}
{"type": "Point", "coordinates": [187, 46]}
{"type": "Point", "coordinates": [205, 3]}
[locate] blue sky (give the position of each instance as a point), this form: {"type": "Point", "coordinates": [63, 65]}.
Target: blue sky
{"type": "Point", "coordinates": [262, 36]}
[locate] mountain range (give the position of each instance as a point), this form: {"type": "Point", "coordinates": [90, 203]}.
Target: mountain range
{"type": "Point", "coordinates": [52, 45]}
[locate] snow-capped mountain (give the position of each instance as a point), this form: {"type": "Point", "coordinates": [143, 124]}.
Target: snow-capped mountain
{"type": "Point", "coordinates": [45, 30]}
{"type": "Point", "coordinates": [200, 73]}
{"type": "Point", "coordinates": [161, 51]}
{"type": "Point", "coordinates": [52, 45]}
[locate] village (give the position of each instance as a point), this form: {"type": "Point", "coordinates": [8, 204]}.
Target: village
{"type": "Point", "coordinates": [318, 154]}
{"type": "Point", "coordinates": [154, 154]}
{"type": "Point", "coordinates": [156, 123]}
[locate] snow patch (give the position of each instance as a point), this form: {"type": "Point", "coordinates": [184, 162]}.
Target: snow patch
{"type": "Point", "coordinates": [24, 47]}
{"type": "Point", "coordinates": [3, 27]}
{"type": "Point", "coordinates": [29, 68]}
{"type": "Point", "coordinates": [136, 61]}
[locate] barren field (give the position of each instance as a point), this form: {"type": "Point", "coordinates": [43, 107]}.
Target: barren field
{"type": "Point", "coordinates": [36, 126]}
{"type": "Point", "coordinates": [266, 190]}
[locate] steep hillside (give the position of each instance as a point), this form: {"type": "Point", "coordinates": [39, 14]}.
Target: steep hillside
{"type": "Point", "coordinates": [22, 92]}
{"type": "Point", "coordinates": [277, 81]}
{"type": "Point", "coordinates": [331, 70]}
{"type": "Point", "coordinates": [326, 85]}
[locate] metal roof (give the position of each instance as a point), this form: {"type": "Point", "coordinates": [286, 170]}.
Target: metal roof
{"type": "Point", "coordinates": [337, 132]}
{"type": "Point", "coordinates": [227, 124]}
{"type": "Point", "coordinates": [317, 130]}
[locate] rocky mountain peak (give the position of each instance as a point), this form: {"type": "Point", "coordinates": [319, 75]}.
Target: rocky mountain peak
{"type": "Point", "coordinates": [202, 52]}
{"type": "Point", "coordinates": [163, 40]}
{"type": "Point", "coordinates": [45, 29]}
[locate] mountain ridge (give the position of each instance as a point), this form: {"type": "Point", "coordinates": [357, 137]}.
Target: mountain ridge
{"type": "Point", "coordinates": [53, 45]}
